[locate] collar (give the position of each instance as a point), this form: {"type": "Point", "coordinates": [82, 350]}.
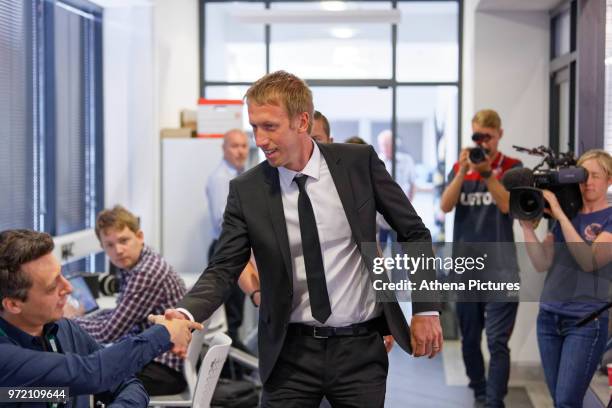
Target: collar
{"type": "Point", "coordinates": [145, 251]}
{"type": "Point", "coordinates": [312, 169]}
{"type": "Point", "coordinates": [233, 170]}
{"type": "Point", "coordinates": [24, 339]}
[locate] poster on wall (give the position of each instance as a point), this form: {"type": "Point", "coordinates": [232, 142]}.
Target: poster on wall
{"type": "Point", "coordinates": [217, 116]}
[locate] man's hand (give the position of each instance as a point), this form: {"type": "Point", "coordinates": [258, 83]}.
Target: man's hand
{"type": "Point", "coordinates": [484, 166]}
{"type": "Point", "coordinates": [171, 314]}
{"type": "Point", "coordinates": [426, 336]}
{"type": "Point", "coordinates": [174, 314]}
{"type": "Point", "coordinates": [388, 341]}
{"type": "Point", "coordinates": [464, 161]}
{"type": "Point", "coordinates": [257, 298]}
{"type": "Point", "coordinates": [179, 329]}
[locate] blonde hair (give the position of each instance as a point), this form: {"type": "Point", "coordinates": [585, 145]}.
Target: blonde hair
{"type": "Point", "coordinates": [283, 89]}
{"type": "Point", "coordinates": [601, 156]}
{"type": "Point", "coordinates": [117, 218]}
{"type": "Point", "coordinates": [487, 118]}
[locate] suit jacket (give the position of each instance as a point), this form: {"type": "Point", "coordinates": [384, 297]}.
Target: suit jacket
{"type": "Point", "coordinates": [254, 218]}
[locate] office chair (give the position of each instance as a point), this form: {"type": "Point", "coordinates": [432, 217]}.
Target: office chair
{"type": "Point", "coordinates": [200, 384]}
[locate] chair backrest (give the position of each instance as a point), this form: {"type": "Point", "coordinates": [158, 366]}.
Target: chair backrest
{"type": "Point", "coordinates": [190, 365]}
{"type": "Point", "coordinates": [217, 322]}
{"type": "Point", "coordinates": [210, 369]}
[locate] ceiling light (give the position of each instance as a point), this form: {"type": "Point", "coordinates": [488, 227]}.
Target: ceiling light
{"type": "Point", "coordinates": [343, 32]}
{"type": "Point", "coordinates": [333, 5]}
{"type": "Point", "coordinates": [272, 16]}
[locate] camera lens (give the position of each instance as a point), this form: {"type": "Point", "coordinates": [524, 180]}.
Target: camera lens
{"type": "Point", "coordinates": [528, 203]}
{"type": "Point", "coordinates": [109, 285]}
{"type": "Point", "coordinates": [477, 155]}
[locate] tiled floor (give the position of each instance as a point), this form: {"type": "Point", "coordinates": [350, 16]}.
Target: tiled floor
{"type": "Point", "coordinates": [441, 383]}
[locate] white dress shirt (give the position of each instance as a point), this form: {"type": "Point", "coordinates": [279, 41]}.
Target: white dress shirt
{"type": "Point", "coordinates": [351, 295]}
{"type": "Point", "coordinates": [217, 189]}
{"type": "Point", "coordinates": [350, 291]}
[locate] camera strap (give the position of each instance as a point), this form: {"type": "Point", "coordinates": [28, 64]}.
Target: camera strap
{"type": "Point", "coordinates": [500, 161]}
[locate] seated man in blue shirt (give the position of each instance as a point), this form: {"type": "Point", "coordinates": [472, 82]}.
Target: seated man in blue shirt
{"type": "Point", "coordinates": [39, 348]}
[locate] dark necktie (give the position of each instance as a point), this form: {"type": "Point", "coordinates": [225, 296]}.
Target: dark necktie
{"type": "Point", "coordinates": [315, 272]}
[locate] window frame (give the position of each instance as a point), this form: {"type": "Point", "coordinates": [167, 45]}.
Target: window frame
{"type": "Point", "coordinates": [392, 83]}
{"type": "Point", "coordinates": [557, 65]}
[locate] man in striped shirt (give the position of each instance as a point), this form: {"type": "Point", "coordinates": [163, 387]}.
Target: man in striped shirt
{"type": "Point", "coordinates": [147, 285]}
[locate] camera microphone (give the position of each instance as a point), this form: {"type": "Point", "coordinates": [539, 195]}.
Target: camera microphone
{"type": "Point", "coordinates": [519, 177]}
{"type": "Point", "coordinates": [570, 175]}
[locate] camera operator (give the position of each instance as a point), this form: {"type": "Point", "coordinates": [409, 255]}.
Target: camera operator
{"type": "Point", "coordinates": [570, 354]}
{"type": "Point", "coordinates": [481, 215]}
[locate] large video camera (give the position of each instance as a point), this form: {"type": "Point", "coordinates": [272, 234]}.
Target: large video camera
{"type": "Point", "coordinates": [561, 176]}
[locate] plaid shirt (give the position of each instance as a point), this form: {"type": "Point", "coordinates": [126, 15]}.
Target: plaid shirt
{"type": "Point", "coordinates": [150, 287]}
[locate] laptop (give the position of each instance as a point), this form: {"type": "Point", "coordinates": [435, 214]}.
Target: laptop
{"type": "Point", "coordinates": [81, 295]}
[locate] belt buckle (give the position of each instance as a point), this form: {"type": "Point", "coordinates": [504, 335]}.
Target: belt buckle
{"type": "Point", "coordinates": [315, 335]}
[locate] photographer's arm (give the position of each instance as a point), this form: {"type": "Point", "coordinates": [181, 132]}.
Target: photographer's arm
{"type": "Point", "coordinates": [501, 196]}
{"type": "Point", "coordinates": [499, 193]}
{"type": "Point", "coordinates": [540, 253]}
{"type": "Point", "coordinates": [580, 250]}
{"type": "Point", "coordinates": [589, 258]}
{"type": "Point", "coordinates": [451, 193]}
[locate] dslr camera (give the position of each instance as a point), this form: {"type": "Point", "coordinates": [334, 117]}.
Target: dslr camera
{"type": "Point", "coordinates": [479, 154]}
{"type": "Point", "coordinates": [556, 172]}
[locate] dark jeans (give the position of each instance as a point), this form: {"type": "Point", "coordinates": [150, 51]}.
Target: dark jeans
{"type": "Point", "coordinates": [383, 236]}
{"type": "Point", "coordinates": [348, 371]}
{"type": "Point", "coordinates": [159, 379]}
{"type": "Point", "coordinates": [497, 319]}
{"type": "Point", "coordinates": [569, 355]}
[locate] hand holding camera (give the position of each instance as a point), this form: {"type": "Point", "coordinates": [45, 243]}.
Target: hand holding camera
{"type": "Point", "coordinates": [554, 208]}
{"type": "Point", "coordinates": [479, 154]}
{"type": "Point", "coordinates": [477, 158]}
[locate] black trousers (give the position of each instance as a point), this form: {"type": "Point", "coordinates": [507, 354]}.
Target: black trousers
{"type": "Point", "coordinates": [159, 379]}
{"type": "Point", "coordinates": [348, 371]}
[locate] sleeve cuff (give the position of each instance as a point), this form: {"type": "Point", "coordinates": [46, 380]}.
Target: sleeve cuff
{"type": "Point", "coordinates": [430, 313]}
{"type": "Point", "coordinates": [159, 337]}
{"type": "Point", "coordinates": [186, 313]}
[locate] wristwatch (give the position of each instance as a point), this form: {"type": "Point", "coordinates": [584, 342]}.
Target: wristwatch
{"type": "Point", "coordinates": [252, 296]}
{"type": "Point", "coordinates": [486, 174]}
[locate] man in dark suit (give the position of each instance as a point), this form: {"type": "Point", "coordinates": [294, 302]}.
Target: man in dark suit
{"type": "Point", "coordinates": [305, 212]}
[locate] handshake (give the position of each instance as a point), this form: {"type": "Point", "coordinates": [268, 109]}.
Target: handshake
{"type": "Point", "coordinates": [179, 329]}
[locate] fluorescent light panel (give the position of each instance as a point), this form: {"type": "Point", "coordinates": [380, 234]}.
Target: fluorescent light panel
{"type": "Point", "coordinates": [271, 16]}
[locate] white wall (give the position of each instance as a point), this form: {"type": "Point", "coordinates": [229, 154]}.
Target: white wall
{"type": "Point", "coordinates": [150, 73]}
{"type": "Point", "coordinates": [177, 69]}
{"type": "Point", "coordinates": [130, 132]}
{"type": "Point", "coordinates": [506, 68]}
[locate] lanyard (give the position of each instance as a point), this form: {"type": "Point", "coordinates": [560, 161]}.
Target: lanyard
{"type": "Point", "coordinates": [53, 344]}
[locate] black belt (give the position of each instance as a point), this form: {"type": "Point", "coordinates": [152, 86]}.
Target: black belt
{"type": "Point", "coordinates": [359, 329]}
